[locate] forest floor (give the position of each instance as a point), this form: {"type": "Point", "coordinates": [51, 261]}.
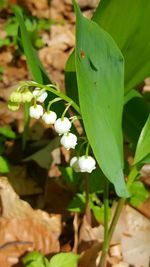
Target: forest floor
{"type": "Point", "coordinates": [34, 195]}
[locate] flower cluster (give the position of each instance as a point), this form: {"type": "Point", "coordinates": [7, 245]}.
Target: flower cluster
{"type": "Point", "coordinates": [17, 97]}
{"type": "Point", "coordinates": [61, 125]}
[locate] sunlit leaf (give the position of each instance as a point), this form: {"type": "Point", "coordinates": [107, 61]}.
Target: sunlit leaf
{"type": "Point", "coordinates": [138, 193]}
{"type": "Point", "coordinates": [64, 260]}
{"type": "Point", "coordinates": [100, 77]}
{"type": "Point", "coordinates": [4, 167]}
{"type": "Point", "coordinates": [128, 23]}
{"type": "Point", "coordinates": [7, 132]}
{"type": "Point", "coordinates": [143, 145]}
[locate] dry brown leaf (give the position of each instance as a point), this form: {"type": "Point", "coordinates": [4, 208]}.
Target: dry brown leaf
{"type": "Point", "coordinates": [144, 208]}
{"type": "Point", "coordinates": [12, 75]}
{"type": "Point", "coordinates": [20, 223]}
{"type": "Point", "coordinates": [91, 255]}
{"type": "Point", "coordinates": [133, 232]}
{"type": "Point", "coordinates": [89, 233]}
{"type": "Point", "coordinates": [85, 3]}
{"type": "Point", "coordinates": [57, 197]}
{"type": "Point", "coordinates": [39, 9]}
{"type": "Point", "coordinates": [22, 183]}
{"type": "Point", "coordinates": [5, 57]}
{"type": "Point", "coordinates": [7, 116]}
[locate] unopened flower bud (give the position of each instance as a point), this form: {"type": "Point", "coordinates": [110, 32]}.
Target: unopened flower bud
{"type": "Point", "coordinates": [74, 164]}
{"type": "Point", "coordinates": [62, 125]}
{"type": "Point", "coordinates": [40, 95]}
{"type": "Point", "coordinates": [26, 96]}
{"type": "Point", "coordinates": [69, 140]}
{"type": "Point", "coordinates": [13, 106]}
{"type": "Point", "coordinates": [36, 111]}
{"type": "Point", "coordinates": [49, 117]}
{"type": "Point", "coordinates": [86, 164]}
{"type": "Point", "coordinates": [16, 97]}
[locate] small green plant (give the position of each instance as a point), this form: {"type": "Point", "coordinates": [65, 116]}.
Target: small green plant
{"type": "Point", "coordinates": [34, 26]}
{"type": "Point", "coordinates": [5, 133]}
{"type": "Point", "coordinates": [35, 259]}
{"type": "Point", "coordinates": [100, 93]}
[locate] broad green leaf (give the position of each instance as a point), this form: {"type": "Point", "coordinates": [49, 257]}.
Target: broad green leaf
{"type": "Point", "coordinates": [100, 77]}
{"type": "Point", "coordinates": [64, 260]}
{"type": "Point", "coordinates": [35, 259]}
{"type": "Point", "coordinates": [7, 132]}
{"type": "Point", "coordinates": [138, 192]}
{"type": "Point", "coordinates": [4, 167]}
{"type": "Point", "coordinates": [143, 145]}
{"type": "Point", "coordinates": [128, 23]}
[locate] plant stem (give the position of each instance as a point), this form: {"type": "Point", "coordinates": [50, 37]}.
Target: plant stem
{"type": "Point", "coordinates": [26, 125]}
{"type": "Point", "coordinates": [106, 241]}
{"type": "Point", "coordinates": [87, 198]}
{"type": "Point", "coordinates": [132, 175]}
{"type": "Point", "coordinates": [53, 89]}
{"type": "Point", "coordinates": [114, 222]}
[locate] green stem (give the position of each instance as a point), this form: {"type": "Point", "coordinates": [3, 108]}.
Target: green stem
{"type": "Point", "coordinates": [105, 248]}
{"type": "Point", "coordinates": [26, 125]}
{"type": "Point", "coordinates": [87, 150]}
{"type": "Point", "coordinates": [53, 101]}
{"type": "Point", "coordinates": [53, 89]}
{"type": "Point", "coordinates": [132, 175]}
{"type": "Point", "coordinates": [114, 222]}
{"type": "Point", "coordinates": [66, 109]}
{"type": "Point", "coordinates": [87, 198]}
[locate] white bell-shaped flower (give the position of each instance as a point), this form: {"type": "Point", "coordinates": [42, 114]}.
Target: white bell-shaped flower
{"type": "Point", "coordinates": [62, 125]}
{"type": "Point", "coordinates": [86, 164]}
{"type": "Point", "coordinates": [69, 140]}
{"type": "Point", "coordinates": [16, 97]}
{"type": "Point", "coordinates": [74, 164]}
{"type": "Point", "coordinates": [27, 96]}
{"type": "Point", "coordinates": [49, 117]}
{"type": "Point", "coordinates": [13, 106]}
{"type": "Point", "coordinates": [36, 111]}
{"type": "Point", "coordinates": [40, 95]}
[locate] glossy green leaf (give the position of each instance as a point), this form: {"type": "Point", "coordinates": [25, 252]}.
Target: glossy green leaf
{"type": "Point", "coordinates": [35, 259]}
{"type": "Point", "coordinates": [64, 260]}
{"type": "Point", "coordinates": [137, 108]}
{"type": "Point", "coordinates": [100, 77]}
{"type": "Point", "coordinates": [7, 132]}
{"type": "Point", "coordinates": [128, 23]}
{"type": "Point", "coordinates": [143, 145]}
{"type": "Point", "coordinates": [4, 167]}
{"type": "Point", "coordinates": [138, 192]}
